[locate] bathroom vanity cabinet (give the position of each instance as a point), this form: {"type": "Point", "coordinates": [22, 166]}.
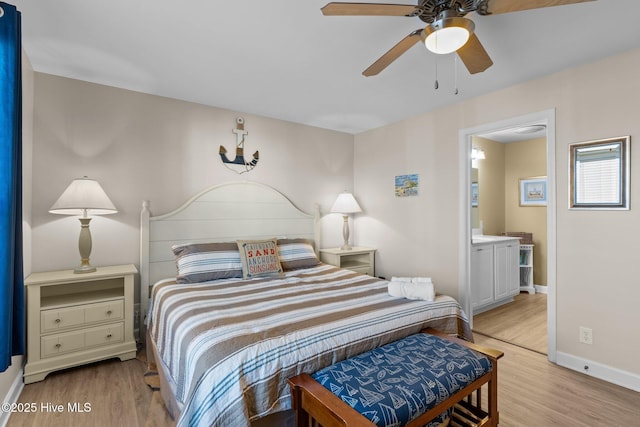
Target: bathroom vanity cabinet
{"type": "Point", "coordinates": [495, 271]}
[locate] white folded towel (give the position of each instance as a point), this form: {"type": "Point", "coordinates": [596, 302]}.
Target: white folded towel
{"type": "Point", "coordinates": [411, 290]}
{"type": "Point", "coordinates": [401, 279]}
{"type": "Point", "coordinates": [421, 280]}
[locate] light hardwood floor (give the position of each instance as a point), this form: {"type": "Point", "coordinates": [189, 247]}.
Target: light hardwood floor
{"type": "Point", "coordinates": [115, 390]}
{"type": "Point", "coordinates": [531, 393]}
{"type": "Point", "coordinates": [522, 322]}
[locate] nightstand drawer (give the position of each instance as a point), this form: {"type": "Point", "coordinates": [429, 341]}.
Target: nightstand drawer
{"type": "Point", "coordinates": [104, 335]}
{"type": "Point", "coordinates": [61, 343]}
{"type": "Point", "coordinates": [53, 345]}
{"type": "Point", "coordinates": [64, 318]}
{"type": "Point", "coordinates": [104, 312]}
{"type": "Point", "coordinates": [53, 320]}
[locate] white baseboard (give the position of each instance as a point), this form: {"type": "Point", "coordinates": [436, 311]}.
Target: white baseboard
{"type": "Point", "coordinates": [607, 373]}
{"type": "Point", "coordinates": [13, 394]}
{"type": "Point", "coordinates": [491, 306]}
{"type": "Point", "coordinates": [540, 289]}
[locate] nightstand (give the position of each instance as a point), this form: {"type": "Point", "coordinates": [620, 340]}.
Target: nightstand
{"type": "Point", "coordinates": [73, 319]}
{"type": "Point", "coordinates": [359, 259]}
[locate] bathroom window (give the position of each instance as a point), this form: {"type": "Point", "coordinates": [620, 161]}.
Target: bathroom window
{"type": "Point", "coordinates": [599, 174]}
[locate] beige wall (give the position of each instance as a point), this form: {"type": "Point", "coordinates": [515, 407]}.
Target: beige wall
{"type": "Point", "coordinates": [491, 183]}
{"type": "Point", "coordinates": [597, 265]}
{"type": "Point", "coordinates": [527, 159]}
{"type": "Point", "coordinates": [144, 147]}
{"type": "Point", "coordinates": [28, 77]}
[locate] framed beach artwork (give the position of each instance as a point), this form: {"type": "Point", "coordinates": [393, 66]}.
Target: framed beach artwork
{"type": "Point", "coordinates": [406, 185]}
{"type": "Point", "coordinates": [533, 191]}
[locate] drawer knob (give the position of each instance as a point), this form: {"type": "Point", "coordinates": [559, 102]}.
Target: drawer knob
{"type": "Point", "coordinates": [109, 335]}
{"type": "Point", "coordinates": [58, 345]}
{"type": "Point", "coordinates": [109, 313]}
{"type": "Point", "coordinates": [58, 320]}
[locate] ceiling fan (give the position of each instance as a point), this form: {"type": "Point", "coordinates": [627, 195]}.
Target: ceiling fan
{"type": "Point", "coordinates": [447, 30]}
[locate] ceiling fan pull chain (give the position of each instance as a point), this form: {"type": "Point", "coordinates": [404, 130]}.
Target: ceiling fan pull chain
{"type": "Point", "coordinates": [455, 73]}
{"type": "Point", "coordinates": [435, 85]}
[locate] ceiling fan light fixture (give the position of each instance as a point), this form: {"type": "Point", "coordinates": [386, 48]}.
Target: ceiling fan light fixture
{"type": "Point", "coordinates": [448, 34]}
{"type": "Point", "coordinates": [530, 129]}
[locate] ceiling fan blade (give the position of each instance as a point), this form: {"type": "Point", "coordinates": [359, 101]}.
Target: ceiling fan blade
{"type": "Point", "coordinates": [369, 9]}
{"type": "Point", "coordinates": [394, 53]}
{"type": "Point", "coordinates": [474, 56]}
{"type": "Point", "coordinates": [506, 6]}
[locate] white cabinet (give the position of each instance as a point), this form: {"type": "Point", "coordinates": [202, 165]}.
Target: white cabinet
{"type": "Point", "coordinates": [526, 269]}
{"type": "Point", "coordinates": [73, 319]}
{"type": "Point", "coordinates": [359, 259]}
{"type": "Point", "coordinates": [481, 275]}
{"type": "Point", "coordinates": [495, 275]}
{"type": "Point", "coordinates": [507, 272]}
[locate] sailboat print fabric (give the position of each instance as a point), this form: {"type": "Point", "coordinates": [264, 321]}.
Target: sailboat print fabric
{"type": "Point", "coordinates": [395, 383]}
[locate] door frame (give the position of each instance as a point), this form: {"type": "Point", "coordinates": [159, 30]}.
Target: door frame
{"type": "Point", "coordinates": [548, 118]}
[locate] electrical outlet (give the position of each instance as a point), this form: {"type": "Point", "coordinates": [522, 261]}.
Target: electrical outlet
{"type": "Point", "coordinates": [586, 335]}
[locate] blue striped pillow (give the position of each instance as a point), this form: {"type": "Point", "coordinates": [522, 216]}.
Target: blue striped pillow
{"type": "Point", "coordinates": [201, 262]}
{"type": "Point", "coordinates": [297, 253]}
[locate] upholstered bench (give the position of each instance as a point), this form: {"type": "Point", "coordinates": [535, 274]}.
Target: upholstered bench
{"type": "Point", "coordinates": [427, 379]}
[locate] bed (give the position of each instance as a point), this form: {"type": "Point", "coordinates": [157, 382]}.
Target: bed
{"type": "Point", "coordinates": [225, 348]}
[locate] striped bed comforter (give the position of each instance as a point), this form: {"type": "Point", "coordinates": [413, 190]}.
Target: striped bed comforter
{"type": "Point", "coordinates": [230, 345]}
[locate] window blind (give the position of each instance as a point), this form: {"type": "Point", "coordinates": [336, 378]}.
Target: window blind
{"type": "Point", "coordinates": [598, 175]}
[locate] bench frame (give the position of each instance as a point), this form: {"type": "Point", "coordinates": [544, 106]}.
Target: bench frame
{"type": "Point", "coordinates": [314, 405]}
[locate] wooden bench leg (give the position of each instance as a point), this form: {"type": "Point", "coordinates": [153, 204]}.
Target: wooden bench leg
{"type": "Point", "coordinates": [300, 415]}
{"type": "Point", "coordinates": [493, 396]}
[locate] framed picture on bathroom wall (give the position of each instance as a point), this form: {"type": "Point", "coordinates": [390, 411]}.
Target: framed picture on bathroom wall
{"type": "Point", "coordinates": [533, 191]}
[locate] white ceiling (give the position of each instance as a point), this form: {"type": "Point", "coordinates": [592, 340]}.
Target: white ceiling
{"type": "Point", "coordinates": [284, 59]}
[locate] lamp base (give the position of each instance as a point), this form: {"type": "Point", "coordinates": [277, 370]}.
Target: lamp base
{"type": "Point", "coordinates": [84, 245]}
{"type": "Point", "coordinates": [345, 233]}
{"type": "Point", "coordinates": [84, 269]}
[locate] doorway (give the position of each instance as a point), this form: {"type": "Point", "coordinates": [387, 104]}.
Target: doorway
{"type": "Point", "coordinates": [546, 118]}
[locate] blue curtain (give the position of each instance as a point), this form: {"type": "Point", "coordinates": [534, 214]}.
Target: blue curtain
{"type": "Point", "coordinates": [12, 310]}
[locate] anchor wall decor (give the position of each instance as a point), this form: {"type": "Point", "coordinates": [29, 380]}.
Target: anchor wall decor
{"type": "Point", "coordinates": [239, 164]}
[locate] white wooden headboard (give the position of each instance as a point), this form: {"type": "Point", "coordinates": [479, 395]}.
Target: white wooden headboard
{"type": "Point", "coordinates": [222, 213]}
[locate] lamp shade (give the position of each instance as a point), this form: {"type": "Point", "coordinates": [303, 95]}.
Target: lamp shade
{"type": "Point", "coordinates": [346, 204]}
{"type": "Point", "coordinates": [448, 34]}
{"type": "Point", "coordinates": [83, 196]}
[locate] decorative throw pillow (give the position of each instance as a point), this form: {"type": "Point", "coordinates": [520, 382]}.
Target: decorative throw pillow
{"type": "Point", "coordinates": [201, 262]}
{"type": "Point", "coordinates": [297, 253]}
{"type": "Point", "coordinates": [259, 258]}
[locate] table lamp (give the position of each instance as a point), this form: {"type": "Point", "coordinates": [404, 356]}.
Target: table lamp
{"type": "Point", "coordinates": [346, 204]}
{"type": "Point", "coordinates": [84, 197]}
